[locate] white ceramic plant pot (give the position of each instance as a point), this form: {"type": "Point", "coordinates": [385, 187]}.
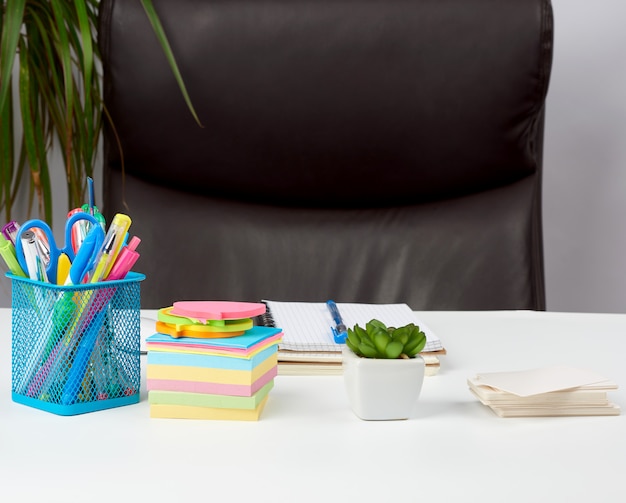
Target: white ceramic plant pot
{"type": "Point", "coordinates": [380, 389]}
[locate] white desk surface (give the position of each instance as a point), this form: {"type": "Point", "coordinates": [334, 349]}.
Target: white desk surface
{"type": "Point", "coordinates": [309, 446]}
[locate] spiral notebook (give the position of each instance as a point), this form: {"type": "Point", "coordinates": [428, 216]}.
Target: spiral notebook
{"type": "Point", "coordinates": [307, 325]}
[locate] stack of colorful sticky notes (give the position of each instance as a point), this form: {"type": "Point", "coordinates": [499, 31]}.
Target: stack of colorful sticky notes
{"type": "Point", "coordinates": [215, 375]}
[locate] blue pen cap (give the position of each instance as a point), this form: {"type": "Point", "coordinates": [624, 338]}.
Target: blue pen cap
{"type": "Point", "coordinates": [340, 337]}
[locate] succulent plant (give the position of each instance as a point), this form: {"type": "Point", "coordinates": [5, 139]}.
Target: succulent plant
{"type": "Point", "coordinates": [378, 341]}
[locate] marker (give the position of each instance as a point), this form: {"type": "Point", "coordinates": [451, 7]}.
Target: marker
{"type": "Point", "coordinates": [10, 231]}
{"type": "Point", "coordinates": [339, 330]}
{"type": "Point", "coordinates": [63, 268]}
{"type": "Point", "coordinates": [125, 260]}
{"type": "Point", "coordinates": [7, 250]}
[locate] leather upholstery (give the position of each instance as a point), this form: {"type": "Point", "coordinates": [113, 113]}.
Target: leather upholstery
{"type": "Point", "coordinates": [363, 150]}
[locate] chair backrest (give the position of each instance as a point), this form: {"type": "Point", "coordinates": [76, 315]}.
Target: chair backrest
{"type": "Point", "coordinates": [366, 151]}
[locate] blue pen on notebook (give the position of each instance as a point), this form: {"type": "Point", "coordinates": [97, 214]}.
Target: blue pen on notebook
{"type": "Point", "coordinates": [340, 332]}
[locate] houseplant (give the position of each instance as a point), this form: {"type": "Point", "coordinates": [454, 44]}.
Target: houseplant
{"type": "Point", "coordinates": [383, 372]}
{"type": "Point", "coordinates": [48, 65]}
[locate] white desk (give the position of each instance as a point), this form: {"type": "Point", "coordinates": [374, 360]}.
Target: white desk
{"type": "Point", "coordinates": [308, 445]}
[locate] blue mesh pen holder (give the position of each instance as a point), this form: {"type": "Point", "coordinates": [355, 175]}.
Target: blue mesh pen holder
{"type": "Point", "coordinates": [76, 349]}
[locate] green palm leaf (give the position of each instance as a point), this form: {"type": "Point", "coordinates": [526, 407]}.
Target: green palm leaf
{"type": "Point", "coordinates": [160, 33]}
{"type": "Point", "coordinates": [53, 43]}
{"type": "Point", "coordinates": [11, 26]}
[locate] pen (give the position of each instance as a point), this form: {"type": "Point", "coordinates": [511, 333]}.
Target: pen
{"type": "Point", "coordinates": [77, 231]}
{"type": "Point", "coordinates": [83, 260]}
{"type": "Point", "coordinates": [339, 330]}
{"type": "Point", "coordinates": [96, 214]}
{"type": "Point", "coordinates": [103, 258]}
{"type": "Point", "coordinates": [92, 322]}
{"type": "Point", "coordinates": [111, 247]}
{"type": "Point", "coordinates": [43, 247]}
{"type": "Point", "coordinates": [91, 195]}
{"type": "Point", "coordinates": [42, 275]}
{"type": "Point", "coordinates": [29, 245]}
{"type": "Point", "coordinates": [125, 260]}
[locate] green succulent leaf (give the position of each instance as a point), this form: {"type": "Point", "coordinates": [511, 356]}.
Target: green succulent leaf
{"type": "Point", "coordinates": [368, 351]}
{"type": "Point", "coordinates": [367, 342]}
{"type": "Point", "coordinates": [416, 343]}
{"type": "Point", "coordinates": [393, 349]}
{"type": "Point", "coordinates": [372, 324]}
{"type": "Point", "coordinates": [353, 347]}
{"type": "Point", "coordinates": [353, 337]}
{"type": "Point", "coordinates": [381, 340]}
{"type": "Point", "coordinates": [364, 335]}
{"type": "Point", "coordinates": [401, 334]}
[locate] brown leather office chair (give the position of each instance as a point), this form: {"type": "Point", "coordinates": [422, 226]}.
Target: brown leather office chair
{"type": "Point", "coordinates": [368, 151]}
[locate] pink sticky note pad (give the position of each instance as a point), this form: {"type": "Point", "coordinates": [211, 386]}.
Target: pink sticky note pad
{"type": "Point", "coordinates": [203, 310]}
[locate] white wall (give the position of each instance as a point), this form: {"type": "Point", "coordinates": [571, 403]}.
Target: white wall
{"type": "Point", "coordinates": [584, 160]}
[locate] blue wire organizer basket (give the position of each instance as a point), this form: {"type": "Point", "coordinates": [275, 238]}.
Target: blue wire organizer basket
{"type": "Point", "coordinates": [76, 349]}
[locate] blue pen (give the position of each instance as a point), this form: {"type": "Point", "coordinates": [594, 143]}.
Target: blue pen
{"type": "Point", "coordinates": [91, 322]}
{"type": "Point", "coordinates": [340, 332]}
{"type": "Point", "coordinates": [91, 195]}
{"type": "Point", "coordinates": [86, 256]}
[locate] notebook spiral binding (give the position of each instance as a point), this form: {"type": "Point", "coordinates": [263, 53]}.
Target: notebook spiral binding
{"type": "Point", "coordinates": [266, 319]}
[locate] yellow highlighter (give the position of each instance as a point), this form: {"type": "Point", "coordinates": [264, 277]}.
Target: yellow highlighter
{"type": "Point", "coordinates": [7, 251]}
{"type": "Point", "coordinates": [111, 247]}
{"type": "Point", "coordinates": [63, 268]}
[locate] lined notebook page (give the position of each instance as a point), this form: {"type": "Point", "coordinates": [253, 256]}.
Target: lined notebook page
{"type": "Point", "coordinates": [307, 325]}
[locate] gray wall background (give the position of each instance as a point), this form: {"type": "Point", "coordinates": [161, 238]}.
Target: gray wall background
{"type": "Point", "coordinates": [584, 194]}
{"type": "Point", "coordinates": [585, 159]}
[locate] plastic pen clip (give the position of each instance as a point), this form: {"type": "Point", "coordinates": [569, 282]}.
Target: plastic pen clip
{"type": "Point", "coordinates": [340, 333]}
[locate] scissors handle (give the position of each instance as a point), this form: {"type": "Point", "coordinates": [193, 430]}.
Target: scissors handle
{"type": "Point", "coordinates": [55, 251]}
{"type": "Point", "coordinates": [75, 217]}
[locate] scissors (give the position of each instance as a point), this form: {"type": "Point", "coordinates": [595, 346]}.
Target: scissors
{"type": "Point", "coordinates": [79, 232]}
{"type": "Point", "coordinates": [55, 252]}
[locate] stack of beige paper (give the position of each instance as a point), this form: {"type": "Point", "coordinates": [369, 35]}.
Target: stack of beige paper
{"type": "Point", "coordinates": [552, 391]}
{"type": "Point", "coordinates": [330, 362]}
